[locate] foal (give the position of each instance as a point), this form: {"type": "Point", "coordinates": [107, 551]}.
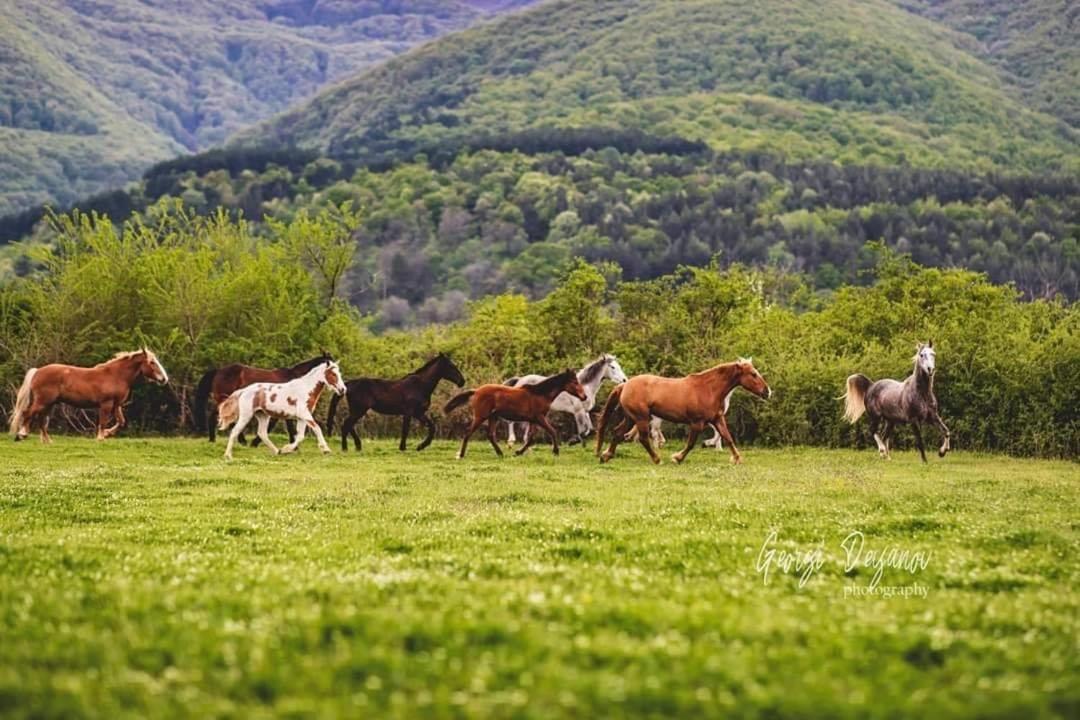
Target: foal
{"type": "Point", "coordinates": [294, 400]}
{"type": "Point", "coordinates": [529, 403]}
{"type": "Point", "coordinates": [899, 403]}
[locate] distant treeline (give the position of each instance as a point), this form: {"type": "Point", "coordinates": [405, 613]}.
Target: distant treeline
{"type": "Point", "coordinates": [206, 290]}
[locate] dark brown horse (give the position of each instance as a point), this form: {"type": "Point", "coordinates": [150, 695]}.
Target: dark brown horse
{"type": "Point", "coordinates": [899, 403]}
{"type": "Point", "coordinates": [409, 397]}
{"type": "Point", "coordinates": [528, 403]}
{"type": "Point", "coordinates": [105, 386]}
{"type": "Point", "coordinates": [696, 400]}
{"type": "Point", "coordinates": [222, 382]}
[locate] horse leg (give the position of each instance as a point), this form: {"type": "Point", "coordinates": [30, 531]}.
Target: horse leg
{"type": "Point", "coordinates": [45, 439]}
{"type": "Point", "coordinates": [918, 440]}
{"type": "Point", "coordinates": [476, 422]}
{"type": "Point", "coordinates": [348, 428]}
{"type": "Point", "coordinates": [722, 428]}
{"type": "Point", "coordinates": [491, 426]}
{"type": "Point", "coordinates": [270, 428]}
{"type": "Point", "coordinates": [430, 425]}
{"type": "Point", "coordinates": [119, 421]}
{"type": "Point", "coordinates": [301, 430]}
{"type": "Point", "coordinates": [946, 446]}
{"type": "Point", "coordinates": [241, 422]}
{"type": "Point", "coordinates": [290, 428]}
{"type": "Point", "coordinates": [265, 424]}
{"type": "Point", "coordinates": [885, 436]}
{"type": "Point", "coordinates": [645, 438]}
{"type": "Point", "coordinates": [529, 437]}
{"type": "Point", "coordinates": [552, 433]}
{"type": "Point", "coordinates": [105, 410]}
{"type": "Point", "coordinates": [405, 421]}
{"type": "Point", "coordinates": [691, 441]}
{"type": "Point", "coordinates": [621, 432]}
{"type": "Point", "coordinates": [511, 435]}
{"type": "Point", "coordinates": [875, 420]}
{"type": "Point", "coordinates": [211, 423]}
{"type": "Point", "coordinates": [317, 429]}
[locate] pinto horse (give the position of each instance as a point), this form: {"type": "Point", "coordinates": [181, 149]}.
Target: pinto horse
{"type": "Point", "coordinates": [409, 397]}
{"type": "Point", "coordinates": [222, 382]}
{"type": "Point", "coordinates": [528, 403]}
{"type": "Point", "coordinates": [105, 386]}
{"type": "Point", "coordinates": [294, 400]}
{"type": "Point", "coordinates": [696, 400]}
{"type": "Point", "coordinates": [899, 403]}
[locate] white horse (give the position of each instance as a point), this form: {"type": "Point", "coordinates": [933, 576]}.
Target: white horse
{"type": "Point", "coordinates": [294, 400]}
{"type": "Point", "coordinates": [590, 377]}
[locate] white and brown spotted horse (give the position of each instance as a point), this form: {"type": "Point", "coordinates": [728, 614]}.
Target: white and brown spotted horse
{"type": "Point", "coordinates": [293, 400]}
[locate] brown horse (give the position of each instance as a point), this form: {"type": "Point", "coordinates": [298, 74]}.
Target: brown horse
{"type": "Point", "coordinates": [222, 382]}
{"type": "Point", "coordinates": [105, 386]}
{"type": "Point", "coordinates": [528, 403]}
{"type": "Point", "coordinates": [696, 400]}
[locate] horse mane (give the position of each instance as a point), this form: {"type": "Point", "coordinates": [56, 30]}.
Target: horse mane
{"type": "Point", "coordinates": [130, 353]}
{"type": "Point", "coordinates": [593, 369]}
{"type": "Point", "coordinates": [428, 364]}
{"type": "Point", "coordinates": [550, 382]}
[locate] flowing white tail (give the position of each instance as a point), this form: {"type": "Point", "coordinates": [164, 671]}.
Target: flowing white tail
{"type": "Point", "coordinates": [855, 397]}
{"type": "Point", "coordinates": [22, 401]}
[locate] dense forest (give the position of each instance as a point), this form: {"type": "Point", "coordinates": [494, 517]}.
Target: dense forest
{"type": "Point", "coordinates": [442, 230]}
{"type": "Point", "coordinates": [92, 93]}
{"type": "Point", "coordinates": [203, 291]}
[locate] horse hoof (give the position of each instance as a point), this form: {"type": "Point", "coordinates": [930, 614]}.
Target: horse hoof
{"type": "Point", "coordinates": [676, 459]}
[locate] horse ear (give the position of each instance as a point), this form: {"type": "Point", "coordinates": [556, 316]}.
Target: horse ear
{"type": "Point", "coordinates": [931, 345]}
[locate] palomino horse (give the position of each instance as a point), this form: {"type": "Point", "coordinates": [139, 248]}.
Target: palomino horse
{"type": "Point", "coordinates": [294, 400]}
{"type": "Point", "coordinates": [528, 403]}
{"type": "Point", "coordinates": [696, 400]}
{"type": "Point", "coordinates": [899, 403]}
{"type": "Point", "coordinates": [105, 386]}
{"type": "Point", "coordinates": [409, 397]}
{"type": "Point", "coordinates": [222, 382]}
{"type": "Point", "coordinates": [591, 376]}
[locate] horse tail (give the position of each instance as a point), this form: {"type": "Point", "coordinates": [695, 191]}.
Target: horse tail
{"type": "Point", "coordinates": [458, 400]}
{"type": "Point", "coordinates": [609, 409]}
{"type": "Point", "coordinates": [202, 395]}
{"type": "Point", "coordinates": [855, 397]}
{"type": "Point", "coordinates": [22, 401]}
{"type": "Point", "coordinates": [330, 415]}
{"type": "Point", "coordinates": [229, 411]}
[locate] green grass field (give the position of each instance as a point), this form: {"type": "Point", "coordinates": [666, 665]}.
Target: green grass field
{"type": "Point", "coordinates": [149, 578]}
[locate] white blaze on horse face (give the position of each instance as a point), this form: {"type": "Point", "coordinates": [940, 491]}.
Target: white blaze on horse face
{"type": "Point", "coordinates": [333, 378]}
{"type": "Point", "coordinates": [160, 376]}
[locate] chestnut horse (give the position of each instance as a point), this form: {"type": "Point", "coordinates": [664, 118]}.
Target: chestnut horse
{"type": "Point", "coordinates": [409, 397]}
{"type": "Point", "coordinates": [222, 382]}
{"type": "Point", "coordinates": [105, 386]}
{"type": "Point", "coordinates": [696, 400]}
{"type": "Point", "coordinates": [528, 403]}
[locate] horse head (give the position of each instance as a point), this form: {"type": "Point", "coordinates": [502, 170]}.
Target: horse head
{"type": "Point", "coordinates": [613, 370]}
{"type": "Point", "coordinates": [152, 368]}
{"type": "Point", "coordinates": [751, 379]}
{"type": "Point", "coordinates": [925, 358]}
{"type": "Point", "coordinates": [332, 377]}
{"type": "Point", "coordinates": [449, 370]}
{"type": "Point", "coordinates": [573, 385]}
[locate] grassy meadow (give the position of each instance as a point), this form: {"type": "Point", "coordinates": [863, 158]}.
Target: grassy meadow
{"type": "Point", "coordinates": [149, 578]}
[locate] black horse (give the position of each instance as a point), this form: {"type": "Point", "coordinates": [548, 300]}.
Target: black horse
{"type": "Point", "coordinates": [899, 403]}
{"type": "Point", "coordinates": [409, 397]}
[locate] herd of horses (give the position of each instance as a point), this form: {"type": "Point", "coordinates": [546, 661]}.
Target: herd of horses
{"type": "Point", "coordinates": [634, 408]}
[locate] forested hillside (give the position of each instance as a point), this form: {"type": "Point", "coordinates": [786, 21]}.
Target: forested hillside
{"type": "Point", "coordinates": [652, 135]}
{"type": "Point", "coordinates": [859, 82]}
{"type": "Point", "coordinates": [92, 92]}
{"type": "Point", "coordinates": [1032, 42]}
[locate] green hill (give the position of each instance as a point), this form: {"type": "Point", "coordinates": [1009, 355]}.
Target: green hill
{"type": "Point", "coordinates": [862, 82]}
{"type": "Point", "coordinates": [1032, 42]}
{"type": "Point", "coordinates": [91, 93]}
